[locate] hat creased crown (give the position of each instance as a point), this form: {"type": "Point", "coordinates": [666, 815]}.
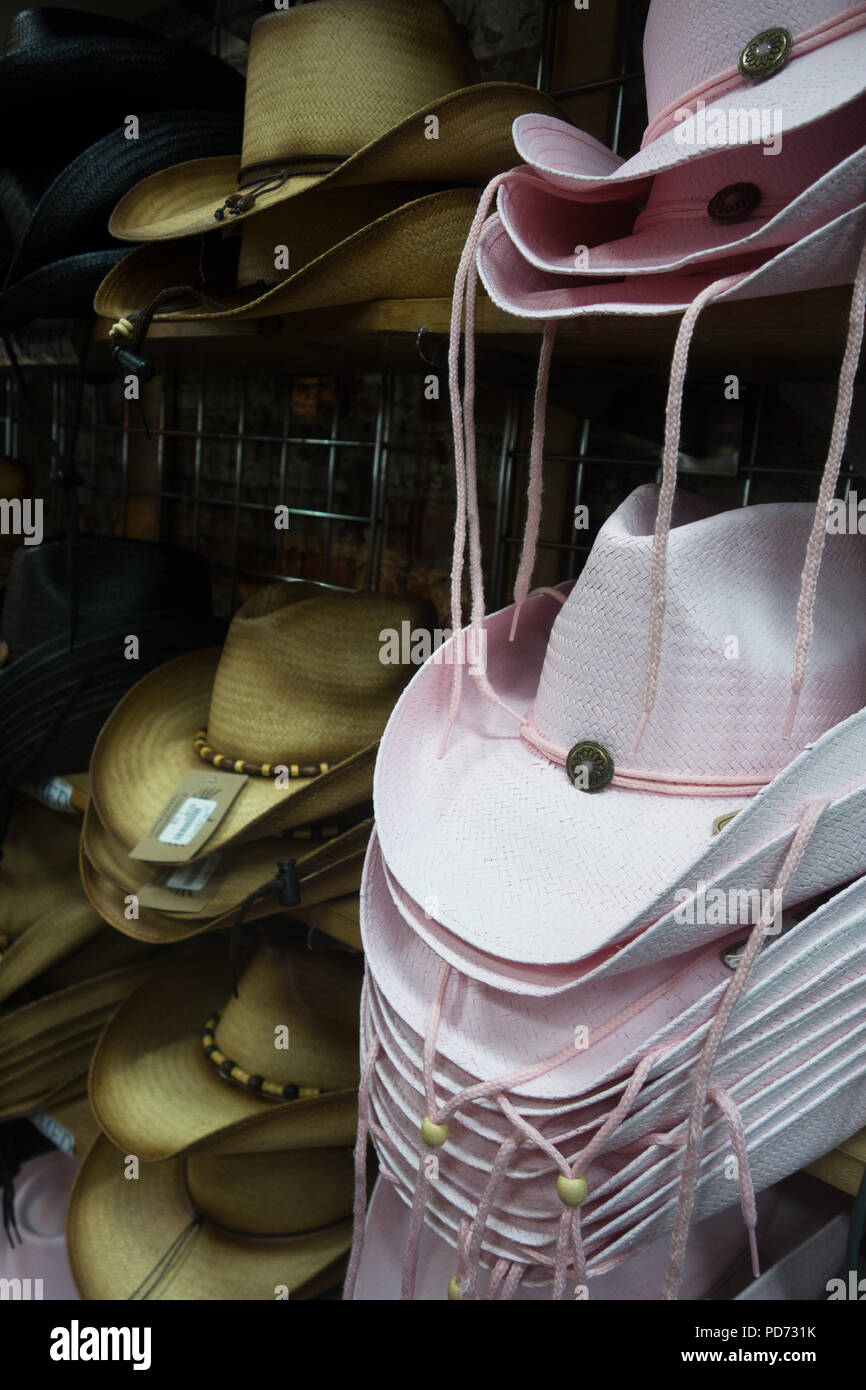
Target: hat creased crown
{"type": "Point", "coordinates": [727, 651]}
{"type": "Point", "coordinates": [324, 80]}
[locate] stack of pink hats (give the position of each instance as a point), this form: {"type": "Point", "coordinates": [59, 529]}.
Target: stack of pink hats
{"type": "Point", "coordinates": [752, 167]}
{"type": "Point", "coordinates": [614, 912]}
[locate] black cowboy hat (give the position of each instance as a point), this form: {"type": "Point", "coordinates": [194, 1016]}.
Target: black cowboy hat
{"type": "Point", "coordinates": [78, 76]}
{"type": "Point", "coordinates": [65, 629]}
{"type": "Point", "coordinates": [63, 250]}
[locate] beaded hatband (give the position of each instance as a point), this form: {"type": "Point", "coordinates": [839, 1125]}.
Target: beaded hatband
{"type": "Point", "coordinates": [221, 760]}
{"type": "Point", "coordinates": [230, 1071]}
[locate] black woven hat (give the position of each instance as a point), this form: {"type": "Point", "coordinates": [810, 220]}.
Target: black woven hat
{"type": "Point", "coordinates": [67, 661]}
{"type": "Point", "coordinates": [68, 78]}
{"type": "Point", "coordinates": [64, 249]}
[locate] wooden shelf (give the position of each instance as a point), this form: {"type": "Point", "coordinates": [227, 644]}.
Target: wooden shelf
{"type": "Point", "coordinates": [787, 337]}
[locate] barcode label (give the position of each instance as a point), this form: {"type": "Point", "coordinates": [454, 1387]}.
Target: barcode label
{"type": "Point", "coordinates": [186, 822]}
{"type": "Point", "coordinates": [193, 877]}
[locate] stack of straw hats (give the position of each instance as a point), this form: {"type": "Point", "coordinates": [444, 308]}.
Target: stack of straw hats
{"type": "Point", "coordinates": [367, 136]}
{"type": "Point", "coordinates": [62, 970]}
{"type": "Point", "coordinates": [231, 1075]}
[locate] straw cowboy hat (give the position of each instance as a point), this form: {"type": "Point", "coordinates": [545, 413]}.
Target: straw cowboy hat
{"type": "Point", "coordinates": [79, 75]}
{"type": "Point", "coordinates": [184, 1066]}
{"type": "Point", "coordinates": [44, 917]}
{"type": "Point", "coordinates": [409, 252]}
{"type": "Point", "coordinates": [298, 685]}
{"type": "Point", "coordinates": [46, 1045]}
{"type": "Point", "coordinates": [239, 1226]}
{"type": "Point", "coordinates": [381, 92]}
{"type": "Point", "coordinates": [66, 618]}
{"type": "Point", "coordinates": [713, 743]}
{"type": "Point", "coordinates": [702, 69]}
{"type": "Point", "coordinates": [325, 869]}
{"type": "Point", "coordinates": [379, 126]}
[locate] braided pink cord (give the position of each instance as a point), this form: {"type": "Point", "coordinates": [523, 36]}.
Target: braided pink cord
{"type": "Point", "coordinates": [736, 985]}
{"type": "Point", "coordinates": [494, 1283]}
{"type": "Point", "coordinates": [459, 305]}
{"type": "Point", "coordinates": [670, 456]}
{"type": "Point", "coordinates": [827, 490]}
{"type": "Point", "coordinates": [535, 481]}
{"type": "Point", "coordinates": [744, 1172]}
{"type": "Point", "coordinates": [506, 1152]}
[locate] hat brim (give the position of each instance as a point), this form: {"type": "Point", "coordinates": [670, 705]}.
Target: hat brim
{"type": "Point", "coordinates": [546, 228]}
{"type": "Point", "coordinates": [46, 942]}
{"type": "Point", "coordinates": [330, 869]}
{"type": "Point", "coordinates": [31, 1024]}
{"type": "Point", "coordinates": [76, 691]}
{"type": "Point", "coordinates": [474, 143]}
{"type": "Point", "coordinates": [606, 867]}
{"type": "Point", "coordinates": [71, 214]}
{"type": "Point", "coordinates": [154, 1093]}
{"type": "Point", "coordinates": [411, 253]}
{"type": "Point", "coordinates": [820, 259]}
{"type": "Point", "coordinates": [117, 1237]}
{"type": "Point", "coordinates": [146, 747]}
{"type": "Point", "coordinates": [62, 289]}
{"type": "Point", "coordinates": [804, 90]}
{"type": "Point", "coordinates": [55, 81]}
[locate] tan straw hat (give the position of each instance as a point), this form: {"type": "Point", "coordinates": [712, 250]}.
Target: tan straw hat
{"type": "Point", "coordinates": [184, 1065]}
{"type": "Point", "coordinates": [341, 94]}
{"type": "Point", "coordinates": [298, 685]}
{"type": "Point", "coordinates": [46, 1045]}
{"type": "Point", "coordinates": [39, 865]}
{"type": "Point", "coordinates": [411, 252]}
{"type": "Point", "coordinates": [325, 868]}
{"type": "Point", "coordinates": [217, 1227]}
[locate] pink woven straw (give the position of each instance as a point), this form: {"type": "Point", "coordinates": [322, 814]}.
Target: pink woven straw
{"type": "Point", "coordinates": [716, 1247]}
{"type": "Point", "coordinates": [518, 862]}
{"type": "Point", "coordinates": [787, 1080]}
{"type": "Point", "coordinates": [818, 175]}
{"type": "Point", "coordinates": [821, 258]}
{"type": "Point", "coordinates": [691, 51]}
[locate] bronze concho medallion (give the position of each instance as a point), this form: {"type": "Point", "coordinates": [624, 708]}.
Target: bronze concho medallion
{"type": "Point", "coordinates": [597, 760]}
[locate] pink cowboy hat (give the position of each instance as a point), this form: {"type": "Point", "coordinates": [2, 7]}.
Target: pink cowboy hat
{"type": "Point", "coordinates": [821, 258]}
{"type": "Point", "coordinates": [731, 203]}
{"type": "Point", "coordinates": [712, 73]}
{"type": "Point", "coordinates": [458, 829]}
{"type": "Point", "coordinates": [714, 1265]}
{"type": "Point", "coordinates": [785, 1084]}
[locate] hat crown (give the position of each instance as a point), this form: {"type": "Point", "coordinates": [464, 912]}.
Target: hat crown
{"type": "Point", "coordinates": [295, 1018]}
{"type": "Point", "coordinates": [689, 42]}
{"type": "Point", "coordinates": [324, 80]}
{"type": "Point", "coordinates": [272, 1194]}
{"type": "Point", "coordinates": [733, 580]}
{"type": "Point", "coordinates": [300, 680]}
{"type": "Point", "coordinates": [119, 581]}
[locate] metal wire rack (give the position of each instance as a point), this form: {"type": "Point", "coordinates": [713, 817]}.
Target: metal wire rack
{"type": "Point", "coordinates": [361, 461]}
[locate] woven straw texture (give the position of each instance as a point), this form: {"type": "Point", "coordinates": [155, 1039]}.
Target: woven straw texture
{"type": "Point", "coordinates": [325, 870]}
{"type": "Point", "coordinates": [155, 1094]}
{"type": "Point", "coordinates": [526, 867]}
{"type": "Point", "coordinates": [817, 176]}
{"type": "Point", "coordinates": [116, 1237]}
{"type": "Point", "coordinates": [411, 253]}
{"type": "Point", "coordinates": [709, 41]}
{"type": "Point", "coordinates": [298, 681]}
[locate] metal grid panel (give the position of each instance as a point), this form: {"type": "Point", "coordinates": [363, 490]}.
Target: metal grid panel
{"type": "Point", "coordinates": [223, 452]}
